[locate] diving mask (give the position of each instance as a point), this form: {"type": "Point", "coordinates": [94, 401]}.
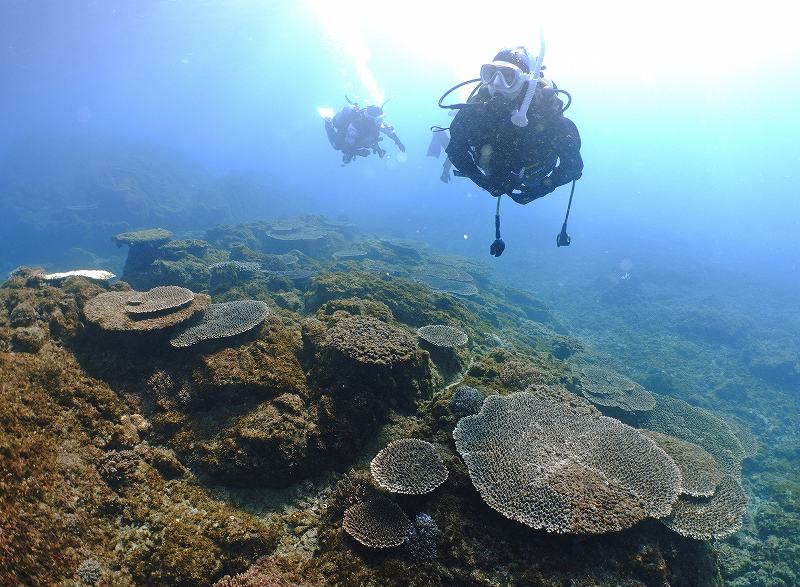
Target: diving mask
{"type": "Point", "coordinates": [503, 77]}
{"type": "Point", "coordinates": [375, 113]}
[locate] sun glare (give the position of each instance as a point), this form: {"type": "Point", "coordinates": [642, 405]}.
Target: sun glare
{"type": "Point", "coordinates": [672, 42]}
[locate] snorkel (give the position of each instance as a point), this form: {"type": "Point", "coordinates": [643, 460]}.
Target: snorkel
{"type": "Point", "coordinates": [520, 117]}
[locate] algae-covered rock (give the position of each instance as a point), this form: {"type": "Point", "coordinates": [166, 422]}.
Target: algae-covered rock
{"type": "Point", "coordinates": [28, 339]}
{"type": "Point", "coordinates": [265, 446]}
{"type": "Point", "coordinates": [54, 418]}
{"type": "Point", "coordinates": [143, 250]}
{"type": "Point", "coordinates": [409, 302]}
{"type": "Point", "coordinates": [180, 249]}
{"type": "Point", "coordinates": [23, 314]}
{"type": "Point", "coordinates": [189, 272]}
{"type": "Point", "coordinates": [316, 242]}
{"type": "Point", "coordinates": [361, 367]}
{"type": "Point", "coordinates": [258, 370]}
{"type": "Point", "coordinates": [357, 307]}
{"type": "Point", "coordinates": [150, 236]}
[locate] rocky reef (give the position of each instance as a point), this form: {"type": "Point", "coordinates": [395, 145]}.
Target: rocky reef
{"type": "Point", "coordinates": [287, 403]}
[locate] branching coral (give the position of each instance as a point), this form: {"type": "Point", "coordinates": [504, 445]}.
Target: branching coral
{"type": "Point", "coordinates": [466, 401]}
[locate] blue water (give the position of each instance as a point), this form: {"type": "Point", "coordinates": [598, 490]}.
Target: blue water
{"type": "Point", "coordinates": [687, 118]}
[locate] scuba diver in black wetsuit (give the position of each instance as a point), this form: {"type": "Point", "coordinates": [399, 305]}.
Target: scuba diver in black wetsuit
{"type": "Point", "coordinates": [511, 136]}
{"type": "Point", "coordinates": [356, 131]}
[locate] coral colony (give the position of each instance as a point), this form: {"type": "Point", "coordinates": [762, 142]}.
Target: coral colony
{"type": "Point", "coordinates": [287, 403]}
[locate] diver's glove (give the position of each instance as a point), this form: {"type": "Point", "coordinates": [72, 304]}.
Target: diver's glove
{"type": "Point", "coordinates": [401, 146]}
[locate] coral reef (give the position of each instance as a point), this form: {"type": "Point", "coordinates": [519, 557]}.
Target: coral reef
{"type": "Point", "coordinates": [378, 523]}
{"type": "Point", "coordinates": [558, 469]}
{"type": "Point", "coordinates": [140, 463]}
{"type": "Point", "coordinates": [112, 311]}
{"type": "Point", "coordinates": [222, 320]}
{"type": "Point", "coordinates": [165, 298]}
{"type": "Point", "coordinates": [441, 335]}
{"type": "Point", "coordinates": [466, 401]}
{"type": "Point", "coordinates": [410, 466]}
{"type": "Point", "coordinates": [710, 518]}
{"type": "Point", "coordinates": [605, 388]}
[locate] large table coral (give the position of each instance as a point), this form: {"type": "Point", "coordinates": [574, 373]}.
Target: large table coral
{"type": "Point", "coordinates": [562, 470]}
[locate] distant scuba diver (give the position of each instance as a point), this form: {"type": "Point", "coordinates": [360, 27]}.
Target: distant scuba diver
{"type": "Point", "coordinates": [356, 131]}
{"type": "Point", "coordinates": [511, 135]}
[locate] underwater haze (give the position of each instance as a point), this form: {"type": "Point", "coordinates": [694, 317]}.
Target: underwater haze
{"type": "Point", "coordinates": [681, 282]}
{"type": "Point", "coordinates": [687, 114]}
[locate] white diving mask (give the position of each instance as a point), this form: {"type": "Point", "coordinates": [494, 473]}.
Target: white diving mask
{"type": "Point", "coordinates": [502, 77]}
